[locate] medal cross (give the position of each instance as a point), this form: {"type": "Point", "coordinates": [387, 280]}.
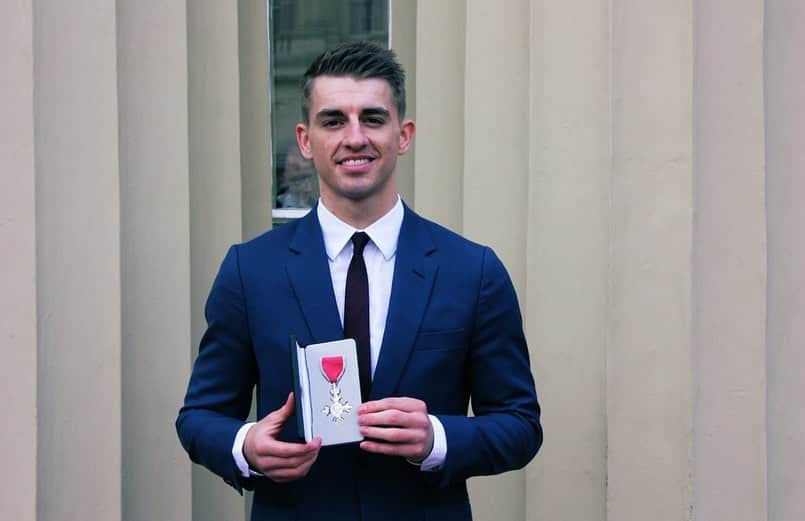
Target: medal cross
{"type": "Point", "coordinates": [338, 407]}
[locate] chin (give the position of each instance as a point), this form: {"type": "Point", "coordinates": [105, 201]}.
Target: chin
{"type": "Point", "coordinates": [358, 193]}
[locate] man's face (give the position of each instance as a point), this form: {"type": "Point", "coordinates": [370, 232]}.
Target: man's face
{"type": "Point", "coordinates": [354, 137]}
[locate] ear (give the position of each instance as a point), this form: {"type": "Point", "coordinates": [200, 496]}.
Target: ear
{"type": "Point", "coordinates": [303, 140]}
{"type": "Point", "coordinates": [407, 130]}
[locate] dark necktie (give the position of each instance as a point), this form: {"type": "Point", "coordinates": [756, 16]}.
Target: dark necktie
{"type": "Point", "coordinates": [356, 310]}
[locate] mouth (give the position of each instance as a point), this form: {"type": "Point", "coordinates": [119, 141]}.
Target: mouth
{"type": "Point", "coordinates": [355, 161]}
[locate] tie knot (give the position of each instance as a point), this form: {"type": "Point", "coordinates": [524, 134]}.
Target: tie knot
{"type": "Point", "coordinates": [359, 240]}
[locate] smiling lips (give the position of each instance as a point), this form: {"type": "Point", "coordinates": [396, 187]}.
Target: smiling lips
{"type": "Point", "coordinates": [356, 161]}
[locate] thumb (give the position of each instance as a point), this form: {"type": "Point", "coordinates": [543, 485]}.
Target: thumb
{"type": "Point", "coordinates": [279, 416]}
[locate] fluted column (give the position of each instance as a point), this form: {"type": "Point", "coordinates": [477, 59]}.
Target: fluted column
{"type": "Point", "coordinates": [440, 42]}
{"type": "Point", "coordinates": [403, 34]}
{"type": "Point", "coordinates": [215, 191]}
{"type": "Point", "coordinates": [785, 185]}
{"type": "Point", "coordinates": [78, 261]}
{"type": "Point", "coordinates": [649, 366]}
{"type": "Point", "coordinates": [255, 147]}
{"type": "Point", "coordinates": [495, 185]}
{"type": "Point", "coordinates": [568, 254]}
{"type": "Point", "coordinates": [729, 263]}
{"type": "Point", "coordinates": [18, 313]}
{"type": "Point", "coordinates": [155, 249]}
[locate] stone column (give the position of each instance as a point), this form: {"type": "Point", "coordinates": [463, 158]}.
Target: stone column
{"type": "Point", "coordinates": [403, 34]}
{"type": "Point", "coordinates": [568, 254]}
{"type": "Point", "coordinates": [78, 261]}
{"type": "Point", "coordinates": [785, 186]}
{"type": "Point", "coordinates": [495, 184]}
{"type": "Point", "coordinates": [440, 42]}
{"type": "Point", "coordinates": [255, 146]}
{"type": "Point", "coordinates": [729, 263]}
{"type": "Point", "coordinates": [155, 255]}
{"type": "Point", "coordinates": [649, 366]}
{"type": "Point", "coordinates": [215, 190]}
{"type": "Point", "coordinates": [18, 312]}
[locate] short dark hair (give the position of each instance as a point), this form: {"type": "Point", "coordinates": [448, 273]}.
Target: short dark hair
{"type": "Point", "coordinates": [361, 60]}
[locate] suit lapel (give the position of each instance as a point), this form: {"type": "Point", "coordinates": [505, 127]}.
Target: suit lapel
{"type": "Point", "coordinates": [414, 273]}
{"type": "Point", "coordinates": [309, 273]}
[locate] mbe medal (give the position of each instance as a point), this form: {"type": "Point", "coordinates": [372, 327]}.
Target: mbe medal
{"type": "Point", "coordinates": [333, 368]}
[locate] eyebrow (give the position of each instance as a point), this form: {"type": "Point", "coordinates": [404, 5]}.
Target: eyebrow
{"type": "Point", "coordinates": [375, 111]}
{"type": "Point", "coordinates": [336, 113]}
{"type": "Point", "coordinates": [329, 113]}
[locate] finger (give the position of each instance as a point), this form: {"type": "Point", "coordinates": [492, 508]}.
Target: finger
{"type": "Point", "coordinates": [404, 404]}
{"type": "Point", "coordinates": [395, 418]}
{"type": "Point", "coordinates": [406, 450]}
{"type": "Point", "coordinates": [394, 435]}
{"type": "Point", "coordinates": [270, 447]}
{"type": "Point", "coordinates": [279, 416]}
{"type": "Point", "coordinates": [285, 474]}
{"type": "Point", "coordinates": [270, 463]}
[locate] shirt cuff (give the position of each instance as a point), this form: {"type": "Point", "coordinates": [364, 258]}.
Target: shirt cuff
{"type": "Point", "coordinates": [438, 453]}
{"type": "Point", "coordinates": [237, 452]}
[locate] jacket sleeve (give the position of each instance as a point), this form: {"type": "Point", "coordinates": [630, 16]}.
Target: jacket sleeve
{"type": "Point", "coordinates": [219, 394]}
{"type": "Point", "coordinates": [505, 432]}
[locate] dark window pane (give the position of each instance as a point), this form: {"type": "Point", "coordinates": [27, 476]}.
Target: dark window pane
{"type": "Point", "coordinates": [298, 31]}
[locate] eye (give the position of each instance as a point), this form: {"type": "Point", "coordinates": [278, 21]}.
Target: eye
{"type": "Point", "coordinates": [331, 123]}
{"type": "Point", "coordinates": [374, 121]}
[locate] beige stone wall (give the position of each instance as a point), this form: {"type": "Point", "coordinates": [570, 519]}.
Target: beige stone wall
{"type": "Point", "coordinates": [638, 166]}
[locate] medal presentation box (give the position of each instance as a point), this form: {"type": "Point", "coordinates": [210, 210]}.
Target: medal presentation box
{"type": "Point", "coordinates": [327, 390]}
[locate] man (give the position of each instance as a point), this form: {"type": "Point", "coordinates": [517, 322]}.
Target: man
{"type": "Point", "coordinates": [441, 326]}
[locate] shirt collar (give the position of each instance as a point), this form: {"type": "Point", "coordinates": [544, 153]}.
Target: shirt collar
{"type": "Point", "coordinates": [384, 232]}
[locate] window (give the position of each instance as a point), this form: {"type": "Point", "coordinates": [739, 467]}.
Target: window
{"type": "Point", "coordinates": [299, 30]}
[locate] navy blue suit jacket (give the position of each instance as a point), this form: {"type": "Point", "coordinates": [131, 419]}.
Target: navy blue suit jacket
{"type": "Point", "coordinates": [453, 333]}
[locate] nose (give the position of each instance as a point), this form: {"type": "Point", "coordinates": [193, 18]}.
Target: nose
{"type": "Point", "coordinates": [354, 137]}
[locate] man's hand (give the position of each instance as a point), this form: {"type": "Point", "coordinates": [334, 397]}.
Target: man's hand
{"type": "Point", "coordinates": [278, 460]}
{"type": "Point", "coordinates": [396, 426]}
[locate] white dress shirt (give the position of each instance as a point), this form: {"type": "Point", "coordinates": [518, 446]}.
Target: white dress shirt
{"type": "Point", "coordinates": [379, 256]}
